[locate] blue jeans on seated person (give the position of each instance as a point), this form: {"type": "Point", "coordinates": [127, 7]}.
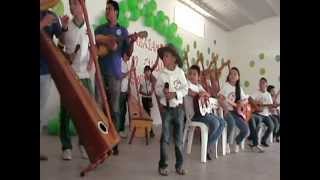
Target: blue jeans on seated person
{"type": "Point", "coordinates": [255, 124]}
{"type": "Point", "coordinates": [215, 126]}
{"type": "Point", "coordinates": [233, 119]}
{"type": "Point", "coordinates": [270, 126]}
{"type": "Point", "coordinates": [172, 119]}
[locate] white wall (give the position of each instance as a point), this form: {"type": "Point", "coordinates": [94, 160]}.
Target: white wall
{"type": "Point", "coordinates": [145, 56]}
{"type": "Point", "coordinates": [246, 43]}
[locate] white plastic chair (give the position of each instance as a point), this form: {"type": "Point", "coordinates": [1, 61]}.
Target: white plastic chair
{"type": "Point", "coordinates": [190, 127]}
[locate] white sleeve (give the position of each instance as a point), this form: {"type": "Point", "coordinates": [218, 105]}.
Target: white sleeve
{"type": "Point", "coordinates": [183, 91]}
{"type": "Point", "coordinates": [223, 91]}
{"type": "Point", "coordinates": [243, 95]}
{"type": "Point", "coordinates": [159, 86]}
{"type": "Point", "coordinates": [201, 89]}
{"type": "Point", "coordinates": [269, 99]}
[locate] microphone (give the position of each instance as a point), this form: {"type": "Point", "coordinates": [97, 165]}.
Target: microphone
{"type": "Point", "coordinates": [166, 85]}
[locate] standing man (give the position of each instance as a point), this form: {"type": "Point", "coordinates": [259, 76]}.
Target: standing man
{"type": "Point", "coordinates": [111, 63]}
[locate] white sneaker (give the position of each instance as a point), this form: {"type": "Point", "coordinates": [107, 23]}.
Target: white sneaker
{"type": "Point", "coordinates": [228, 149]}
{"type": "Point", "coordinates": [123, 134]}
{"type": "Point", "coordinates": [236, 148]}
{"type": "Point", "coordinates": [258, 149]}
{"type": "Point", "coordinates": [83, 152]}
{"type": "Point", "coordinates": [66, 154]}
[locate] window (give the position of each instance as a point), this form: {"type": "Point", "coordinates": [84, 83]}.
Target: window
{"type": "Point", "coordinates": [189, 20]}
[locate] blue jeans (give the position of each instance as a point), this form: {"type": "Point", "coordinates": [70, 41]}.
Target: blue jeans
{"type": "Point", "coordinates": [215, 125]}
{"type": "Point", "coordinates": [233, 119]}
{"type": "Point", "coordinates": [172, 119]}
{"type": "Point", "coordinates": [270, 126]}
{"type": "Point", "coordinates": [276, 122]}
{"type": "Point", "coordinates": [255, 124]}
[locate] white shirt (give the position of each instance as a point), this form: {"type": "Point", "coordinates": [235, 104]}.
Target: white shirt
{"type": "Point", "coordinates": [146, 87]}
{"type": "Point", "coordinates": [195, 87]}
{"type": "Point", "coordinates": [72, 37]}
{"type": "Point", "coordinates": [177, 83]}
{"type": "Point", "coordinates": [124, 81]}
{"type": "Point", "coordinates": [264, 98]}
{"type": "Point", "coordinates": [229, 92]}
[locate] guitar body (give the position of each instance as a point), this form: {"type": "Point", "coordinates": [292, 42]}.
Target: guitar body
{"type": "Point", "coordinates": [244, 110]}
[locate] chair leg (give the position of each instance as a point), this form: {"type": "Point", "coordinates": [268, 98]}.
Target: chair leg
{"type": "Point", "coordinates": [216, 150]}
{"type": "Point", "coordinates": [132, 135]}
{"type": "Point", "coordinates": [190, 139]}
{"type": "Point", "coordinates": [224, 141]}
{"type": "Point", "coordinates": [147, 135]}
{"type": "Point", "coordinates": [204, 144]}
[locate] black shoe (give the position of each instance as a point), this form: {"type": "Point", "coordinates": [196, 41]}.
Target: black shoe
{"type": "Point", "coordinates": [115, 151]}
{"type": "Point", "coordinates": [265, 144]}
{"type": "Point", "coordinates": [209, 157]}
{"type": "Point", "coordinates": [43, 157]}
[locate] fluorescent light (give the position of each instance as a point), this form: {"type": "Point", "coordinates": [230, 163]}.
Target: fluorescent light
{"type": "Point", "coordinates": [197, 8]}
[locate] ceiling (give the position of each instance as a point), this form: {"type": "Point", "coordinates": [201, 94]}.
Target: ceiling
{"type": "Point", "coordinates": [232, 14]}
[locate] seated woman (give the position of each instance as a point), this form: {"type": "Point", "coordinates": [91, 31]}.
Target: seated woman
{"type": "Point", "coordinates": [214, 123]}
{"type": "Point", "coordinates": [230, 97]}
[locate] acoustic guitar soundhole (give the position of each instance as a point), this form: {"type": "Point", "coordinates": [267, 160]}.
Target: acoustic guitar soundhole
{"type": "Point", "coordinates": [102, 127]}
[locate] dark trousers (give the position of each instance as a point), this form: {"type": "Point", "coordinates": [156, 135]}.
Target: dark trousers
{"type": "Point", "coordinates": [123, 110]}
{"type": "Point", "coordinates": [172, 120]}
{"type": "Point", "coordinates": [255, 125]}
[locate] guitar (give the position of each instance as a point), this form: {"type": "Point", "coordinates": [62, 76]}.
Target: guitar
{"type": "Point", "coordinates": [105, 42]}
{"type": "Point", "coordinates": [242, 109]}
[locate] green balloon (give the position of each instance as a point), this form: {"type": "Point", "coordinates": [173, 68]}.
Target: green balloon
{"type": "Point", "coordinates": [153, 5]}
{"type": "Point", "coordinates": [149, 21]}
{"type": "Point", "coordinates": [161, 15]}
{"type": "Point", "coordinates": [173, 28]}
{"type": "Point", "coordinates": [124, 22]}
{"type": "Point", "coordinates": [123, 6]}
{"type": "Point", "coordinates": [135, 14]}
{"type": "Point", "coordinates": [102, 20]}
{"type": "Point", "coordinates": [132, 4]}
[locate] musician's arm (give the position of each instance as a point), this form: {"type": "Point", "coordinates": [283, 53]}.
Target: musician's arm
{"type": "Point", "coordinates": [155, 64]}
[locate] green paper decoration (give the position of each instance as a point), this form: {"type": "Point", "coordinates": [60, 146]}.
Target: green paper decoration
{"type": "Point", "coordinates": [222, 60]}
{"type": "Point", "coordinates": [261, 56]}
{"type": "Point", "coordinates": [246, 84]}
{"type": "Point", "coordinates": [58, 9]}
{"type": "Point", "coordinates": [277, 58]}
{"type": "Point", "coordinates": [207, 62]}
{"type": "Point", "coordinates": [149, 21]}
{"type": "Point", "coordinates": [209, 50]}
{"type": "Point", "coordinates": [262, 71]}
{"type": "Point", "coordinates": [252, 63]}
{"type": "Point", "coordinates": [194, 44]}
{"type": "Point", "coordinates": [188, 47]}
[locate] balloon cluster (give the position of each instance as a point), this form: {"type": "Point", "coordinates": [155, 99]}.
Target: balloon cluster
{"type": "Point", "coordinates": [132, 10]}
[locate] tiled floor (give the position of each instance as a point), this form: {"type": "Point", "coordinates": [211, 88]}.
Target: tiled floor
{"type": "Point", "coordinates": [138, 161]}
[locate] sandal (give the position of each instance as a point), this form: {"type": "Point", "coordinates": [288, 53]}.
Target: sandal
{"type": "Point", "coordinates": [163, 171]}
{"type": "Point", "coordinates": [181, 171]}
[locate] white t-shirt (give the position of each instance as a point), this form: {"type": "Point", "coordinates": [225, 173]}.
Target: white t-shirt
{"type": "Point", "coordinates": [74, 36]}
{"type": "Point", "coordinates": [177, 83]}
{"type": "Point", "coordinates": [264, 98]}
{"type": "Point", "coordinates": [195, 87]}
{"type": "Point", "coordinates": [146, 87]}
{"type": "Point", "coordinates": [124, 81]}
{"type": "Point", "coordinates": [229, 92]}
